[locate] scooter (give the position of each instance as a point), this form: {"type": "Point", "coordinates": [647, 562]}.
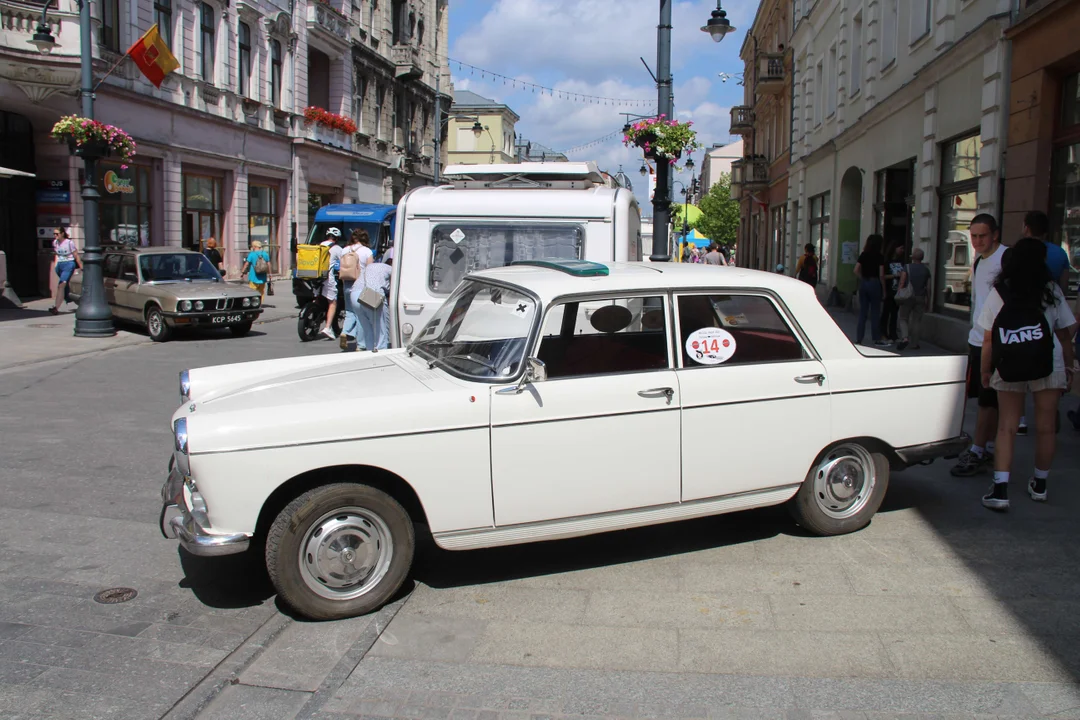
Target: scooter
{"type": "Point", "coordinates": [313, 313]}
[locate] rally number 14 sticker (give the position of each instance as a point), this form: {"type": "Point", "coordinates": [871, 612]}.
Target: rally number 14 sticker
{"type": "Point", "coordinates": [710, 346]}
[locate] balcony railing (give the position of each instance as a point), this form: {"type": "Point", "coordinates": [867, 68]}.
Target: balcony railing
{"type": "Point", "coordinates": [742, 120]}
{"type": "Point", "coordinates": [328, 22]}
{"type": "Point", "coordinates": [407, 61]}
{"type": "Point", "coordinates": [756, 173]}
{"type": "Point", "coordinates": [770, 73]}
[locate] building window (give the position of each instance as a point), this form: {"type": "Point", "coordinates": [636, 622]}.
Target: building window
{"type": "Point", "coordinates": [125, 204]}
{"type": "Point", "coordinates": [856, 55]}
{"type": "Point", "coordinates": [833, 71]}
{"type": "Point", "coordinates": [819, 93]}
{"type": "Point", "coordinates": [819, 233]}
{"type": "Point", "coordinates": [244, 67]}
{"type": "Point", "coordinates": [110, 25]}
{"type": "Point", "coordinates": [400, 20]}
{"type": "Point", "coordinates": [958, 198]}
{"type": "Point", "coordinates": [207, 39]}
{"type": "Point", "coordinates": [371, 8]}
{"type": "Point", "coordinates": [263, 220]}
{"type": "Point", "coordinates": [203, 210]}
{"type": "Point", "coordinates": [888, 33]}
{"type": "Point", "coordinates": [380, 101]}
{"type": "Point", "coordinates": [1065, 177]}
{"type": "Point", "coordinates": [922, 14]}
{"type": "Point", "coordinates": [359, 96]}
{"type": "Point", "coordinates": [163, 18]}
{"type": "Point", "coordinates": [275, 73]}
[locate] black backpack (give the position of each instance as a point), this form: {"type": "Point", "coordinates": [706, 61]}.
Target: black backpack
{"type": "Point", "coordinates": [808, 271]}
{"type": "Point", "coordinates": [1022, 342]}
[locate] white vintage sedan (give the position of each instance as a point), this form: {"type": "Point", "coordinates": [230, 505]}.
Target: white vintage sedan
{"type": "Point", "coordinates": [546, 400]}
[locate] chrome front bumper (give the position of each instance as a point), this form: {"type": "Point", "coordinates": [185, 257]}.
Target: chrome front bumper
{"type": "Point", "coordinates": [191, 526]}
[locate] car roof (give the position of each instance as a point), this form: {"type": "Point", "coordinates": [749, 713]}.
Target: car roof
{"type": "Point", "coordinates": [153, 250]}
{"type": "Point", "coordinates": [549, 282]}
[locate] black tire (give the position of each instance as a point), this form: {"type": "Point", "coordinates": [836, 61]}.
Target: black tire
{"type": "Point", "coordinates": [241, 329]}
{"type": "Point", "coordinates": [843, 490]}
{"type": "Point", "coordinates": [310, 321]}
{"type": "Point", "coordinates": [374, 529]}
{"type": "Point", "coordinates": [156, 326]}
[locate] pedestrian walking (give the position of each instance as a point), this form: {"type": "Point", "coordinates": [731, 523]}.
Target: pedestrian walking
{"type": "Point", "coordinates": [870, 269]}
{"type": "Point", "coordinates": [985, 239]}
{"type": "Point", "coordinates": [917, 276]}
{"type": "Point", "coordinates": [214, 256]}
{"type": "Point", "coordinates": [713, 257]}
{"type": "Point", "coordinates": [890, 309]}
{"type": "Point", "coordinates": [372, 304]}
{"type": "Point", "coordinates": [354, 259]}
{"type": "Point", "coordinates": [64, 263]}
{"type": "Point", "coordinates": [330, 284]}
{"type": "Point", "coordinates": [257, 268]}
{"type": "Point", "coordinates": [806, 269]}
{"type": "Point", "coordinates": [1027, 347]}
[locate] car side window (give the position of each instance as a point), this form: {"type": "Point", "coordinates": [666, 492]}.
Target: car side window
{"type": "Point", "coordinates": [111, 267]}
{"type": "Point", "coordinates": [127, 268]}
{"type": "Point", "coordinates": [604, 337]}
{"type": "Point", "coordinates": [734, 330]}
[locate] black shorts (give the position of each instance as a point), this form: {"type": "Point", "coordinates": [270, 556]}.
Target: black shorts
{"type": "Point", "coordinates": [987, 396]}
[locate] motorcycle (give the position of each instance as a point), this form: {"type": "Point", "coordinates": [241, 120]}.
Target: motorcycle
{"type": "Point", "coordinates": [313, 313]}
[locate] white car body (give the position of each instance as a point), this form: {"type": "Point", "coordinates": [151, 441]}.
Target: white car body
{"type": "Point", "coordinates": [566, 456]}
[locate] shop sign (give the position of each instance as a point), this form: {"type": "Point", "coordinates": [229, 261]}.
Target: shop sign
{"type": "Point", "coordinates": [115, 184]}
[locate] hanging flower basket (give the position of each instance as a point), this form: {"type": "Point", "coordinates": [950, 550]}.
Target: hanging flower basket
{"type": "Point", "coordinates": [662, 139]}
{"type": "Point", "coordinates": [90, 139]}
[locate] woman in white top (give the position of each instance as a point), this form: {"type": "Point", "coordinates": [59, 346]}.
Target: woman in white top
{"type": "Point", "coordinates": [1015, 345]}
{"type": "Point", "coordinates": [67, 259]}
{"type": "Point", "coordinates": [350, 332]}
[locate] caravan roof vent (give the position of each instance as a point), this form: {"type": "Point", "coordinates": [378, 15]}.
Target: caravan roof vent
{"type": "Point", "coordinates": [536, 175]}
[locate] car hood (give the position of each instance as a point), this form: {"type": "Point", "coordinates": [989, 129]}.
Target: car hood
{"type": "Point", "coordinates": [365, 395]}
{"type": "Point", "coordinates": [198, 289]}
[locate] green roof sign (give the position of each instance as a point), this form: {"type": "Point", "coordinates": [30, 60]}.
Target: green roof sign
{"type": "Point", "coordinates": [578, 268]}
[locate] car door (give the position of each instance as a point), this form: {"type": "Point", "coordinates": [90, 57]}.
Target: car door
{"type": "Point", "coordinates": [126, 290]}
{"type": "Point", "coordinates": [755, 399]}
{"type": "Point", "coordinates": [601, 433]}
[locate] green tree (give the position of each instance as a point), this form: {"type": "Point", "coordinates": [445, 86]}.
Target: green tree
{"type": "Point", "coordinates": [719, 219]}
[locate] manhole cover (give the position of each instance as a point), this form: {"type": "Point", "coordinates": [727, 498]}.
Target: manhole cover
{"type": "Point", "coordinates": [113, 596]}
{"type": "Point", "coordinates": [44, 325]}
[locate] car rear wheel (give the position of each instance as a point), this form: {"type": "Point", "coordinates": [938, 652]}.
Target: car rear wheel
{"type": "Point", "coordinates": [843, 491]}
{"type": "Point", "coordinates": [156, 326]}
{"type": "Point", "coordinates": [241, 329]}
{"type": "Point", "coordinates": [339, 551]}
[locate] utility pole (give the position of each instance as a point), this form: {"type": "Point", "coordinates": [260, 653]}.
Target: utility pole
{"type": "Point", "coordinates": [438, 123]}
{"type": "Point", "coordinates": [661, 251]}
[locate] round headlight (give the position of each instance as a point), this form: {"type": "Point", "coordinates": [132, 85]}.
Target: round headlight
{"type": "Point", "coordinates": [185, 305]}
{"type": "Point", "coordinates": [199, 305]}
{"type": "Point", "coordinates": [180, 435]}
{"type": "Point", "coordinates": [247, 302]}
{"type": "Point", "coordinates": [255, 302]}
{"type": "Point", "coordinates": [185, 386]}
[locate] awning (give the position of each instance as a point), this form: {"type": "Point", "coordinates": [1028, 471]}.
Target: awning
{"type": "Point", "coordinates": [9, 173]}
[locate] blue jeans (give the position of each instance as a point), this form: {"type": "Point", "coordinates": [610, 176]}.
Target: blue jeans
{"type": "Point", "coordinates": [869, 306]}
{"type": "Point", "coordinates": [375, 326]}
{"type": "Point", "coordinates": [352, 319]}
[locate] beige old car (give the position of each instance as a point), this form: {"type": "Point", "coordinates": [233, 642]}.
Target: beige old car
{"type": "Point", "coordinates": [167, 288]}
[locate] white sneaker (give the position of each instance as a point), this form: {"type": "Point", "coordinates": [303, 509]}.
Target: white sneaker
{"type": "Point", "coordinates": [329, 332]}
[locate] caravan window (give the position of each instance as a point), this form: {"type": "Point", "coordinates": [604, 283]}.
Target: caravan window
{"type": "Point", "coordinates": [459, 249]}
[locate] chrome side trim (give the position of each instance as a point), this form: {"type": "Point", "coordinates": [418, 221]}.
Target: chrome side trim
{"type": "Point", "coordinates": [590, 524]}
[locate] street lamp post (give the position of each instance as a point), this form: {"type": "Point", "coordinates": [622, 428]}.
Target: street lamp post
{"type": "Point", "coordinates": [93, 317]}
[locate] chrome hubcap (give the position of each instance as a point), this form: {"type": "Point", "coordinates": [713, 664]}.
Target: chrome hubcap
{"type": "Point", "coordinates": [844, 481]}
{"type": "Point", "coordinates": [346, 553]}
{"type": "Point", "coordinates": [155, 323]}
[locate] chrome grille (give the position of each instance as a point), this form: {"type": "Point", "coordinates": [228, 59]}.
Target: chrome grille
{"type": "Point", "coordinates": [224, 304]}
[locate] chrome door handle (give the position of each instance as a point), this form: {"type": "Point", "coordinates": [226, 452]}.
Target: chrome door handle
{"type": "Point", "coordinates": [666, 392]}
{"type": "Point", "coordinates": [807, 379]}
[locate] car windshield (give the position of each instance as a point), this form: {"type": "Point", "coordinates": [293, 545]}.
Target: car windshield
{"type": "Point", "coordinates": [480, 332]}
{"type": "Point", "coordinates": [163, 267]}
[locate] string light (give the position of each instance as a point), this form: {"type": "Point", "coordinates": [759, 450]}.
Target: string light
{"type": "Point", "coordinates": [559, 94]}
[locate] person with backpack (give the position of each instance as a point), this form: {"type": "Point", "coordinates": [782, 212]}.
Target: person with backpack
{"type": "Point", "coordinates": [1027, 331]}
{"type": "Point", "coordinates": [806, 269]}
{"type": "Point", "coordinates": [354, 259]}
{"type": "Point", "coordinates": [913, 306]}
{"type": "Point", "coordinates": [330, 284]}
{"type": "Point", "coordinates": [257, 267]}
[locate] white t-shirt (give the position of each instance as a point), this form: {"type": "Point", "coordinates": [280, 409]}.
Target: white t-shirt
{"type": "Point", "coordinates": [363, 252]}
{"type": "Point", "coordinates": [1058, 317]}
{"type": "Point", "coordinates": [981, 285]}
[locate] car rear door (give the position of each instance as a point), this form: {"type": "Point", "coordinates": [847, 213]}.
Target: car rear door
{"type": "Point", "coordinates": [755, 399]}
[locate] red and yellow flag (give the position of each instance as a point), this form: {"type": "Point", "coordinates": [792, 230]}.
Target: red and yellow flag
{"type": "Point", "coordinates": [153, 57]}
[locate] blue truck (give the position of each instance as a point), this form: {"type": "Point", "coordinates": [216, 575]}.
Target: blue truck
{"type": "Point", "coordinates": [378, 220]}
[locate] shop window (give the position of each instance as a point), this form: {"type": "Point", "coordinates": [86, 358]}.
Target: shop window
{"type": "Point", "coordinates": [243, 69]}
{"type": "Point", "coordinates": [275, 73]}
{"type": "Point", "coordinates": [163, 18]}
{"type": "Point", "coordinates": [263, 220]}
{"type": "Point", "coordinates": [958, 198]}
{"type": "Point", "coordinates": [1065, 179]}
{"type": "Point", "coordinates": [202, 211]}
{"type": "Point", "coordinates": [110, 25]}
{"type": "Point", "coordinates": [758, 331]}
{"type": "Point", "coordinates": [819, 233]}
{"type": "Point", "coordinates": [207, 42]}
{"type": "Point", "coordinates": [1070, 102]}
{"type": "Point", "coordinates": [124, 205]}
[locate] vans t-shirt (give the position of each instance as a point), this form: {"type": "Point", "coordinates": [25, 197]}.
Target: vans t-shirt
{"type": "Point", "coordinates": [982, 283]}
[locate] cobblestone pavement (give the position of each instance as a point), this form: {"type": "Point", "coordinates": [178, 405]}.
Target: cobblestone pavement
{"type": "Point", "coordinates": [938, 609]}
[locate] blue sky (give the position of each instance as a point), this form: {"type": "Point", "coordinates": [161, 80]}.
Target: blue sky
{"type": "Point", "coordinates": [592, 47]}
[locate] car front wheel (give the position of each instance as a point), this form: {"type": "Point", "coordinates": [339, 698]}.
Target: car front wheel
{"type": "Point", "coordinates": [843, 491]}
{"type": "Point", "coordinates": [156, 326]}
{"type": "Point", "coordinates": [339, 551]}
{"type": "Point", "coordinates": [241, 329]}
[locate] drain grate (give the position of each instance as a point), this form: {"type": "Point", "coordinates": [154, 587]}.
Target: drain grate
{"type": "Point", "coordinates": [112, 596]}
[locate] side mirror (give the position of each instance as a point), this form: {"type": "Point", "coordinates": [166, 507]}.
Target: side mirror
{"type": "Point", "coordinates": [535, 371]}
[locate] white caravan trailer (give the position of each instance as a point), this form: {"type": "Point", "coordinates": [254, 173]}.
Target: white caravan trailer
{"type": "Point", "coordinates": [491, 215]}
